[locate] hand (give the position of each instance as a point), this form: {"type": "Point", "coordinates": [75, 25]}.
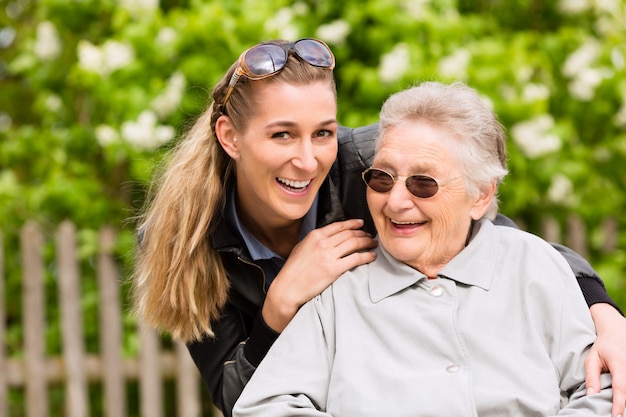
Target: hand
{"type": "Point", "coordinates": [315, 263]}
{"type": "Point", "coordinates": [608, 353]}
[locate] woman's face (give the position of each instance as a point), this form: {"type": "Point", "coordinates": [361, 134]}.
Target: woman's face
{"type": "Point", "coordinates": [286, 151]}
{"type": "Point", "coordinates": [425, 233]}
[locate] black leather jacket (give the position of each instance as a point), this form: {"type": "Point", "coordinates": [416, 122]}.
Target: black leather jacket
{"type": "Point", "coordinates": [227, 361]}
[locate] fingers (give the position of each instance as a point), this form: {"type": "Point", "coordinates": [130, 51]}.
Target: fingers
{"type": "Point", "coordinates": [619, 392]}
{"type": "Point", "coordinates": [593, 368]}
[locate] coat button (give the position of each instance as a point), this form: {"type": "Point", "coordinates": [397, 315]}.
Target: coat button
{"type": "Point", "coordinates": [436, 291]}
{"type": "Point", "coordinates": [453, 368]}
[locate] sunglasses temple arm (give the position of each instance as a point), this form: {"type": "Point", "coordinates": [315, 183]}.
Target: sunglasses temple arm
{"type": "Point", "coordinates": [231, 85]}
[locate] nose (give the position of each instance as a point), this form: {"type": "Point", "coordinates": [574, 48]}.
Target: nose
{"type": "Point", "coordinates": [305, 159]}
{"type": "Point", "coordinates": [399, 198]}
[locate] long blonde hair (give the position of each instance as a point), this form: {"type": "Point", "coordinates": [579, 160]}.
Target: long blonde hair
{"type": "Point", "coordinates": [179, 283]}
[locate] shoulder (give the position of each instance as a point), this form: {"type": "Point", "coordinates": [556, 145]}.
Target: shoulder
{"type": "Point", "coordinates": [357, 144]}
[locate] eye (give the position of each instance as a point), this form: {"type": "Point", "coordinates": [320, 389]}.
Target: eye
{"type": "Point", "coordinates": [324, 133]}
{"type": "Point", "coordinates": [281, 135]}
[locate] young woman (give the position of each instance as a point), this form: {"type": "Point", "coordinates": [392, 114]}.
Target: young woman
{"type": "Point", "coordinates": [262, 207]}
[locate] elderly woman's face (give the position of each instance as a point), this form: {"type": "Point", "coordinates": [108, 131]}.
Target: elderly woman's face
{"type": "Point", "coordinates": [425, 233]}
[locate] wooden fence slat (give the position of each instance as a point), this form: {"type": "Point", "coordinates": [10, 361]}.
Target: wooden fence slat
{"type": "Point", "coordinates": [577, 235]}
{"type": "Point", "coordinates": [187, 383]}
{"type": "Point", "coordinates": [33, 320]}
{"type": "Point", "coordinates": [4, 404]}
{"type": "Point", "coordinates": [111, 327]}
{"type": "Point", "coordinates": [76, 398]}
{"type": "Point", "coordinates": [150, 378]}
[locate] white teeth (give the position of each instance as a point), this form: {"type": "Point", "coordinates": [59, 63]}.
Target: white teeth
{"type": "Point", "coordinates": [294, 184]}
{"type": "Point", "coordinates": [396, 222]}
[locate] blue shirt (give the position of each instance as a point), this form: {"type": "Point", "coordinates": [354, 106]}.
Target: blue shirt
{"type": "Point", "coordinates": [267, 259]}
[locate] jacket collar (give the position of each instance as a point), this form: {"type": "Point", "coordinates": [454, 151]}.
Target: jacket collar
{"type": "Point", "coordinates": [474, 265]}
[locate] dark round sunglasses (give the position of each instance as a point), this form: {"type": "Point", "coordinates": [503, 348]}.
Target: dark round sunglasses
{"type": "Point", "coordinates": [421, 186]}
{"type": "Point", "coordinates": [268, 58]}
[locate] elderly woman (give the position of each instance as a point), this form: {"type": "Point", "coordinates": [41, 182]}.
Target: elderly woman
{"type": "Point", "coordinates": [456, 316]}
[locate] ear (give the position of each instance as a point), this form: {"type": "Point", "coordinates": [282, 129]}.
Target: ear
{"type": "Point", "coordinates": [226, 135]}
{"type": "Point", "coordinates": [482, 203]}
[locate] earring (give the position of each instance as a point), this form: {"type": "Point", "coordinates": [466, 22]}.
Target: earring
{"type": "Point", "coordinates": [234, 139]}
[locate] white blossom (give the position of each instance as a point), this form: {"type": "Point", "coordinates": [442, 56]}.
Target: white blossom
{"type": "Point", "coordinates": [167, 102]}
{"type": "Point", "coordinates": [166, 36]}
{"type": "Point", "coordinates": [144, 134]}
{"type": "Point", "coordinates": [582, 58]}
{"type": "Point", "coordinates": [395, 63]}
{"type": "Point", "coordinates": [106, 135]}
{"type": "Point", "coordinates": [53, 103]}
{"type": "Point", "coordinates": [140, 8]}
{"type": "Point", "coordinates": [617, 57]}
{"type": "Point", "coordinates": [561, 191]}
{"type": "Point", "coordinates": [535, 92]}
{"type": "Point", "coordinates": [572, 7]}
{"type": "Point", "coordinates": [47, 41]}
{"type": "Point", "coordinates": [334, 32]}
{"type": "Point", "coordinates": [583, 87]}
{"type": "Point", "coordinates": [455, 65]}
{"type": "Point", "coordinates": [282, 23]}
{"type": "Point", "coordinates": [112, 56]}
{"type": "Point", "coordinates": [534, 137]}
{"type": "Point", "coordinates": [417, 9]}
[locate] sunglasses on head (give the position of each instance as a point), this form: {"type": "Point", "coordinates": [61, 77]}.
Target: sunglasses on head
{"type": "Point", "coordinates": [266, 59]}
{"type": "Point", "coordinates": [421, 186]}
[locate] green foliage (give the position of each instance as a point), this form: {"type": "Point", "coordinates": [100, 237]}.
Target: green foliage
{"type": "Point", "coordinates": [94, 92]}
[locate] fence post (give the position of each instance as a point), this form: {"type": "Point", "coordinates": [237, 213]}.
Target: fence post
{"type": "Point", "coordinates": [76, 403]}
{"type": "Point", "coordinates": [150, 375]}
{"type": "Point", "coordinates": [187, 383]}
{"type": "Point", "coordinates": [4, 405]}
{"type": "Point", "coordinates": [577, 235]}
{"type": "Point", "coordinates": [33, 320]}
{"type": "Point", "coordinates": [111, 327]}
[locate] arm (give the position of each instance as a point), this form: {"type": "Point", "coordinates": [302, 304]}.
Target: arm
{"type": "Point", "coordinates": [608, 353]}
{"type": "Point", "coordinates": [227, 361]}
{"type": "Point", "coordinates": [293, 378]}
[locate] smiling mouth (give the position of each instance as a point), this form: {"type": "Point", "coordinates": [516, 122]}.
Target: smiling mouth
{"type": "Point", "coordinates": [292, 185]}
{"type": "Point", "coordinates": [405, 224]}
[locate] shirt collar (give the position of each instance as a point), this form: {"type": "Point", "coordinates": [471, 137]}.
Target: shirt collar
{"type": "Point", "coordinates": [255, 247]}
{"type": "Point", "coordinates": [474, 265]}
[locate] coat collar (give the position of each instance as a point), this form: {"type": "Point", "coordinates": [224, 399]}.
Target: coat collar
{"type": "Point", "coordinates": [474, 265]}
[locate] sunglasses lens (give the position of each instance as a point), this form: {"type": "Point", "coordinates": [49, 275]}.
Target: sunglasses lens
{"type": "Point", "coordinates": [315, 53]}
{"type": "Point", "coordinates": [378, 180]}
{"type": "Point", "coordinates": [265, 59]}
{"type": "Point", "coordinates": [422, 186]}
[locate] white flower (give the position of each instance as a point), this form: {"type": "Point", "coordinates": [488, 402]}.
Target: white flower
{"type": "Point", "coordinates": [106, 135]}
{"type": "Point", "coordinates": [395, 63]}
{"type": "Point", "coordinates": [282, 23]}
{"type": "Point", "coordinates": [582, 58]}
{"type": "Point", "coordinates": [116, 55]}
{"type": "Point", "coordinates": [617, 57]}
{"type": "Point", "coordinates": [53, 103]}
{"type": "Point", "coordinates": [47, 42]}
{"type": "Point", "coordinates": [7, 36]}
{"type": "Point", "coordinates": [535, 92]}
{"type": "Point", "coordinates": [455, 65]}
{"type": "Point", "coordinates": [335, 32]}
{"type": "Point", "coordinates": [166, 36]}
{"type": "Point", "coordinates": [572, 7]}
{"type": "Point", "coordinates": [533, 136]}
{"type": "Point", "coordinates": [104, 60]}
{"type": "Point", "coordinates": [583, 87]}
{"type": "Point", "coordinates": [140, 8]}
{"type": "Point", "coordinates": [561, 191]}
{"type": "Point", "coordinates": [167, 102]}
{"type": "Point", "coordinates": [144, 134]}
{"type": "Point", "coordinates": [417, 8]}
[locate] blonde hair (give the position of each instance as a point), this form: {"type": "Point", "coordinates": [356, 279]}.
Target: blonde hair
{"type": "Point", "coordinates": [179, 282]}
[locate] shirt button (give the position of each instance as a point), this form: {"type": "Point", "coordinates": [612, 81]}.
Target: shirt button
{"type": "Point", "coordinates": [453, 368]}
{"type": "Point", "coordinates": [436, 291]}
